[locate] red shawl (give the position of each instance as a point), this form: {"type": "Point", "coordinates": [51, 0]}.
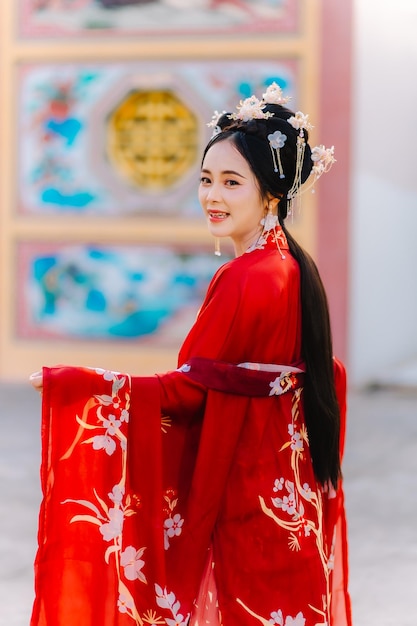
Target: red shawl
{"type": "Point", "coordinates": [170, 496]}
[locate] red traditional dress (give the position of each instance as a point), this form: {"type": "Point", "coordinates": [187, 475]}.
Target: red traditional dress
{"type": "Point", "coordinates": [189, 497]}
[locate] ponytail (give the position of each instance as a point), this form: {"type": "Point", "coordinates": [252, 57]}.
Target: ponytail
{"type": "Point", "coordinates": [321, 408]}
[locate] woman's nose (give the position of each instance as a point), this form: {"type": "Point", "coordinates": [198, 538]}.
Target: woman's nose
{"type": "Point", "coordinates": [213, 193]}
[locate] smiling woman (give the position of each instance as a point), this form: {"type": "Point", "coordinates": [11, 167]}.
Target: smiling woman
{"type": "Point", "coordinates": [230, 196]}
{"type": "Point", "coordinates": [211, 494]}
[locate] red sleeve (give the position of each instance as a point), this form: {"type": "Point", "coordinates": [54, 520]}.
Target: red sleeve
{"type": "Point", "coordinates": [182, 399]}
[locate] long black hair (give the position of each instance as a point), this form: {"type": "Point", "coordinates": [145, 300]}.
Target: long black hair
{"type": "Point", "coordinates": [321, 408]}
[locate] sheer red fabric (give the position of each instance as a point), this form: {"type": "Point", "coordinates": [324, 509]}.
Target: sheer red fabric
{"type": "Point", "coordinates": [170, 501]}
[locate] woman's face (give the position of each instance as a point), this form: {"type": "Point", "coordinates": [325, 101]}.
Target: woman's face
{"type": "Point", "coordinates": [230, 196]}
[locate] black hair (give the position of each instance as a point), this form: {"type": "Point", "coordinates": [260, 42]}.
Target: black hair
{"type": "Point", "coordinates": [321, 408]}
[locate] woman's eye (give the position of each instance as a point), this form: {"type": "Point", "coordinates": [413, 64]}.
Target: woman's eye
{"type": "Point", "coordinates": [231, 183]}
{"type": "Point", "coordinates": [204, 180]}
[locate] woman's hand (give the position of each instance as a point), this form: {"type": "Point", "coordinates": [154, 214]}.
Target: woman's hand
{"type": "Point", "coordinates": [36, 380]}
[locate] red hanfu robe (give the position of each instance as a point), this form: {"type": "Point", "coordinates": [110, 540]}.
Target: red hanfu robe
{"type": "Point", "coordinates": [189, 497]}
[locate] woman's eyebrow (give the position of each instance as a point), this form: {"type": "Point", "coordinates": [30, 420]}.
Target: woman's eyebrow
{"type": "Point", "coordinates": [224, 172]}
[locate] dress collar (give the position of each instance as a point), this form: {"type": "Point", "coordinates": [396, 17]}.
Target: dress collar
{"type": "Point", "coordinates": [271, 238]}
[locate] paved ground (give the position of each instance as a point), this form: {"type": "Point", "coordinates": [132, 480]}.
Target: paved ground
{"type": "Point", "coordinates": [380, 475]}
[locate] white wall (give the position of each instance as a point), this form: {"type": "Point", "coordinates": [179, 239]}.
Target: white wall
{"type": "Point", "coordinates": [383, 294]}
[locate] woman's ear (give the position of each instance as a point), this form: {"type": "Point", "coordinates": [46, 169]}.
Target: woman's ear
{"type": "Point", "coordinates": [273, 202]}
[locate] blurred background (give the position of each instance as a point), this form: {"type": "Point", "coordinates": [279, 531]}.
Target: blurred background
{"type": "Point", "coordinates": [105, 258]}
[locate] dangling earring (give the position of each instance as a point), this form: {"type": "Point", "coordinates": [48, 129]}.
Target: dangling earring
{"type": "Point", "coordinates": [217, 251]}
{"type": "Point", "coordinates": [270, 221]}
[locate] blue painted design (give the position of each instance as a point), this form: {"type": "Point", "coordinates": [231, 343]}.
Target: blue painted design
{"type": "Point", "coordinates": [68, 129]}
{"type": "Point", "coordinates": [72, 200]}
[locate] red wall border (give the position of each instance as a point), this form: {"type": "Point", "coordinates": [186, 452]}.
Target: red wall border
{"type": "Point", "coordinates": [334, 188]}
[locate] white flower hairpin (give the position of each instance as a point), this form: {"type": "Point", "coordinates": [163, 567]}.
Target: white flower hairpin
{"type": "Point", "coordinates": [323, 159]}
{"type": "Point", "coordinates": [251, 109]}
{"type": "Point", "coordinates": [274, 95]}
{"type": "Point", "coordinates": [277, 141]}
{"type": "Point", "coordinates": [300, 122]}
{"type": "Point", "coordinates": [214, 123]}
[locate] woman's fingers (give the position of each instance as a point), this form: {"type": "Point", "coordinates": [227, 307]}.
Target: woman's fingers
{"type": "Point", "coordinates": [36, 380]}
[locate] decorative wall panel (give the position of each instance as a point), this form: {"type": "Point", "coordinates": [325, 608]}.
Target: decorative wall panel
{"type": "Point", "coordinates": [97, 138]}
{"type": "Point", "coordinates": [149, 294]}
{"type": "Point", "coordinates": [89, 18]}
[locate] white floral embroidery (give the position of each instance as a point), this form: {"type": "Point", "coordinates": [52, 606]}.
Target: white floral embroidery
{"type": "Point", "coordinates": [125, 603]}
{"type": "Point", "coordinates": [112, 424]}
{"type": "Point", "coordinates": [172, 528]}
{"type": "Point", "coordinates": [278, 484]}
{"type": "Point", "coordinates": [117, 494]}
{"type": "Point", "coordinates": [104, 442]}
{"type": "Point", "coordinates": [278, 618]}
{"type": "Point", "coordinates": [124, 416]}
{"type": "Point", "coordinates": [113, 528]}
{"type": "Point", "coordinates": [288, 503]}
{"type": "Point", "coordinates": [167, 600]}
{"type": "Point", "coordinates": [296, 440]}
{"type": "Point", "coordinates": [298, 620]}
{"type": "Point", "coordinates": [306, 492]}
{"type": "Point", "coordinates": [133, 564]}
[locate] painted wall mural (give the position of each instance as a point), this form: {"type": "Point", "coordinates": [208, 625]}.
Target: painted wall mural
{"type": "Point", "coordinates": [147, 293]}
{"type": "Point", "coordinates": [84, 128]}
{"type": "Point", "coordinates": [75, 18]}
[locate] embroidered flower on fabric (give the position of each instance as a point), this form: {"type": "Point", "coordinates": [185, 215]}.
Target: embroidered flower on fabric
{"type": "Point", "coordinates": [107, 374]}
{"type": "Point", "coordinates": [167, 600]}
{"type": "Point", "coordinates": [112, 424]}
{"type": "Point", "coordinates": [278, 618]}
{"type": "Point", "coordinates": [117, 494]}
{"type": "Point", "coordinates": [104, 442]}
{"type": "Point", "coordinates": [173, 525]}
{"type": "Point", "coordinates": [113, 528]}
{"type": "Point", "coordinates": [278, 484]}
{"type": "Point", "coordinates": [306, 491]}
{"type": "Point", "coordinates": [124, 416]}
{"type": "Point", "coordinates": [131, 560]}
{"type": "Point", "coordinates": [296, 441]}
{"type": "Point", "coordinates": [288, 503]}
{"type": "Point", "coordinates": [251, 109]}
{"type": "Point", "coordinates": [298, 620]}
{"type": "Point", "coordinates": [125, 603]}
{"type": "Point", "coordinates": [275, 95]}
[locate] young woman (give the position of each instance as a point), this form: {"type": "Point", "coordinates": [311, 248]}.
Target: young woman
{"type": "Point", "coordinates": [210, 494]}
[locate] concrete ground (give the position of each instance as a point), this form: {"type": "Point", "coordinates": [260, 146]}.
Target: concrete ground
{"type": "Point", "coordinates": [380, 481]}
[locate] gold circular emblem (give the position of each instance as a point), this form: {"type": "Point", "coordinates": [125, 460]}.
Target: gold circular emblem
{"type": "Point", "coordinates": [153, 138]}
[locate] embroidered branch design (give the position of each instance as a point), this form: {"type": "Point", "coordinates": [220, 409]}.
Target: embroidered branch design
{"type": "Point", "coordinates": [105, 417]}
